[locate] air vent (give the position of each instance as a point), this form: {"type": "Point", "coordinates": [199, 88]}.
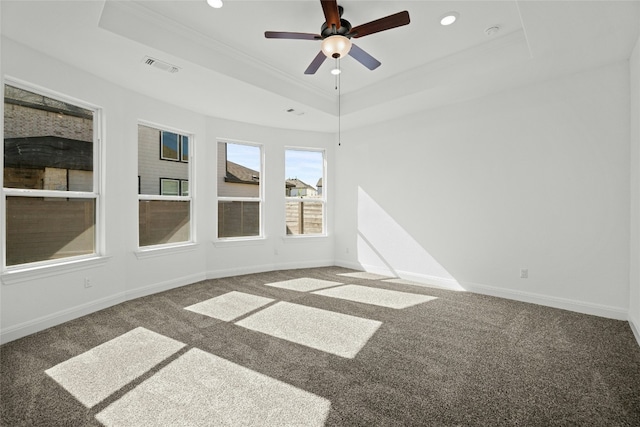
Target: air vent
{"type": "Point", "coordinates": [161, 65]}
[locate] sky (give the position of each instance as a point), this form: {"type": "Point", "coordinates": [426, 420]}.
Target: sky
{"type": "Point", "coordinates": [305, 165]}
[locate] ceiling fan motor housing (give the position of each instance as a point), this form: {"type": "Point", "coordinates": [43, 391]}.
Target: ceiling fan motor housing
{"type": "Point", "coordinates": [345, 28]}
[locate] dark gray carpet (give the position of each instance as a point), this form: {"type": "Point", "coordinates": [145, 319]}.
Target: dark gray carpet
{"type": "Point", "coordinates": [460, 360]}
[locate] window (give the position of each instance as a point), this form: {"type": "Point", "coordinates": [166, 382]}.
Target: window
{"type": "Point", "coordinates": [51, 191]}
{"type": "Point", "coordinates": [184, 149]}
{"type": "Point", "coordinates": [239, 190]}
{"type": "Point", "coordinates": [174, 147]}
{"type": "Point", "coordinates": [164, 202]}
{"type": "Point", "coordinates": [184, 187]}
{"type": "Point", "coordinates": [304, 196]}
{"type": "Point", "coordinates": [173, 187]}
{"type": "Point", "coordinates": [169, 187]}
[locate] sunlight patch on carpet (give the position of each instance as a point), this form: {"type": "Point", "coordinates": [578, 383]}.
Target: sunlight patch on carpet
{"type": "Point", "coordinates": [334, 333]}
{"type": "Point", "coordinates": [229, 306]}
{"type": "Point", "coordinates": [365, 275]}
{"type": "Point", "coordinates": [95, 374]}
{"type": "Point", "coordinates": [375, 296]}
{"type": "Point", "coordinates": [201, 389]}
{"type": "Point", "coordinates": [304, 284]}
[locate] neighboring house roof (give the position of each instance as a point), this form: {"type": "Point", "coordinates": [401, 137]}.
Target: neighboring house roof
{"type": "Point", "coordinates": [319, 184]}
{"type": "Point", "coordinates": [28, 99]}
{"type": "Point", "coordinates": [296, 183]}
{"type": "Point", "coordinates": [241, 175]}
{"type": "Point", "coordinates": [48, 151]}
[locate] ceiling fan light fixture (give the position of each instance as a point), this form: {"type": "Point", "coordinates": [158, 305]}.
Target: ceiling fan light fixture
{"type": "Point", "coordinates": [336, 46]}
{"type": "Point", "coordinates": [336, 71]}
{"type": "Point", "coordinates": [216, 4]}
{"type": "Point", "coordinates": [449, 18]}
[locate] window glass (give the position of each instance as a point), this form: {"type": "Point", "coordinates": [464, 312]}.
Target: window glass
{"type": "Point", "coordinates": [169, 187]}
{"type": "Point", "coordinates": [184, 149]}
{"type": "Point", "coordinates": [48, 151]}
{"type": "Point", "coordinates": [184, 187]}
{"type": "Point", "coordinates": [48, 144]}
{"type": "Point", "coordinates": [162, 220]}
{"type": "Point", "coordinates": [236, 219]}
{"type": "Point", "coordinates": [239, 190]}
{"type": "Point", "coordinates": [305, 198]}
{"type": "Point", "coordinates": [170, 145]}
{"type": "Point", "coordinates": [49, 228]}
{"type": "Point", "coordinates": [152, 171]}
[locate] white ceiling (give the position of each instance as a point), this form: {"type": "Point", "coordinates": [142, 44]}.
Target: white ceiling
{"type": "Point", "coordinates": [229, 70]}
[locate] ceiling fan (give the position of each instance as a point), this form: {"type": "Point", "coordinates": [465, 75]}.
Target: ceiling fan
{"type": "Point", "coordinates": [336, 34]}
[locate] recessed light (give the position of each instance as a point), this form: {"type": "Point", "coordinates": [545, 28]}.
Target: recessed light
{"type": "Point", "coordinates": [449, 18]}
{"type": "Point", "coordinates": [215, 3]}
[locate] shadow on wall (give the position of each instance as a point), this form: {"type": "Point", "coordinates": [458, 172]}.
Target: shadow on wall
{"type": "Point", "coordinates": [384, 247]}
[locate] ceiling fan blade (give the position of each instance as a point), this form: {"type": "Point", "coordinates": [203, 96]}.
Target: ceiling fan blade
{"type": "Point", "coordinates": [364, 58]}
{"type": "Point", "coordinates": [316, 63]}
{"type": "Point", "coordinates": [291, 36]}
{"type": "Point", "coordinates": [392, 21]}
{"type": "Point", "coordinates": [331, 13]}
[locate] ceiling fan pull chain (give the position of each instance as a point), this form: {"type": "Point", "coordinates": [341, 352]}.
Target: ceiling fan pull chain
{"type": "Point", "coordinates": [339, 115]}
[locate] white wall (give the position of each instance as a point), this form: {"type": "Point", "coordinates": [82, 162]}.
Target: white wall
{"type": "Point", "coordinates": [535, 177]}
{"type": "Point", "coordinates": [465, 195]}
{"type": "Point", "coordinates": [634, 272]}
{"type": "Point", "coordinates": [33, 302]}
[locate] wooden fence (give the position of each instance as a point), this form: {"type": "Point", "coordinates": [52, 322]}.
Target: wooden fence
{"type": "Point", "coordinates": [304, 218]}
{"type": "Point", "coordinates": [163, 221]}
{"type": "Point", "coordinates": [40, 229]}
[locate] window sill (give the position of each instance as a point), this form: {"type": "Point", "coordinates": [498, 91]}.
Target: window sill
{"type": "Point", "coordinates": [163, 250]}
{"type": "Point", "coordinates": [240, 241]}
{"type": "Point", "coordinates": [297, 238]}
{"type": "Point", "coordinates": [15, 275]}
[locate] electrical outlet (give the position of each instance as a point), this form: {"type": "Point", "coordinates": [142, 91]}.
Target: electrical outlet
{"type": "Point", "coordinates": [346, 250]}
{"type": "Point", "coordinates": [524, 273]}
{"type": "Point", "coordinates": [87, 282]}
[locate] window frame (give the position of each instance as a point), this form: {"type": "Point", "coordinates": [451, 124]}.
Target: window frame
{"type": "Point", "coordinates": [179, 198]}
{"type": "Point", "coordinates": [99, 235]}
{"type": "Point", "coordinates": [260, 199]}
{"type": "Point", "coordinates": [322, 198]}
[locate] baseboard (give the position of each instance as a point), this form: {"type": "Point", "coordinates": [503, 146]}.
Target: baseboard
{"type": "Point", "coordinates": [430, 281]}
{"type": "Point", "coordinates": [30, 327]}
{"type": "Point", "coordinates": [164, 286]}
{"type": "Point", "coordinates": [635, 328]}
{"type": "Point", "coordinates": [26, 328]}
{"type": "Point", "coordinates": [362, 267]}
{"type": "Point", "coordinates": [417, 278]}
{"type": "Point", "coordinates": [229, 272]}
{"type": "Point", "coordinates": [549, 301]}
{"type": "Point", "coordinates": [36, 325]}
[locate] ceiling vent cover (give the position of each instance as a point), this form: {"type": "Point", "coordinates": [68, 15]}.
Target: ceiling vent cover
{"type": "Point", "coordinates": [161, 65]}
{"type": "Point", "coordinates": [296, 112]}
